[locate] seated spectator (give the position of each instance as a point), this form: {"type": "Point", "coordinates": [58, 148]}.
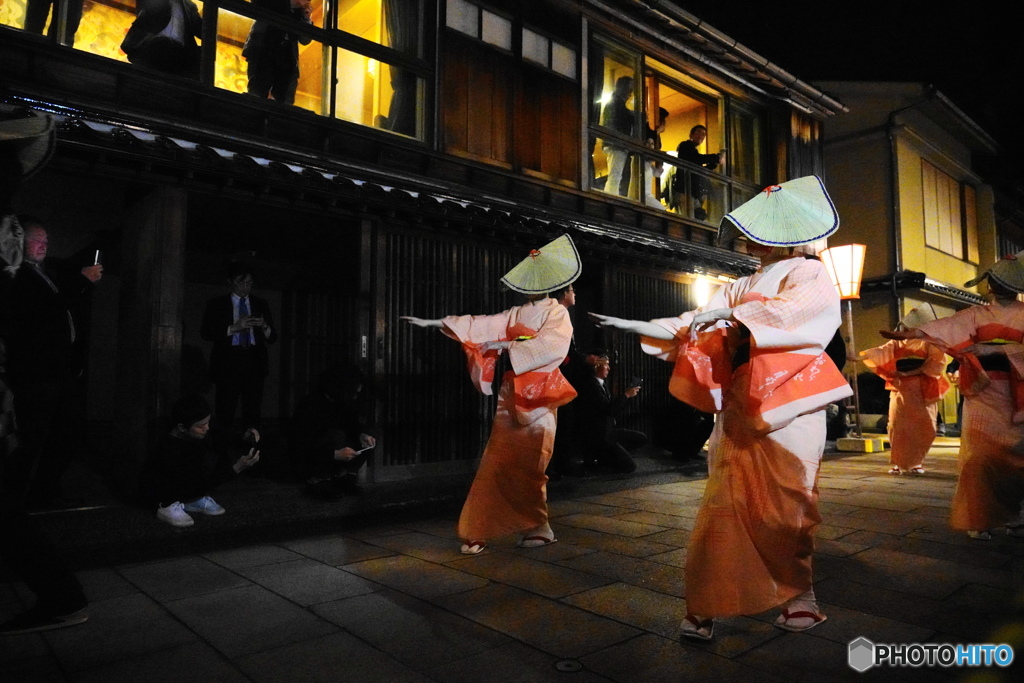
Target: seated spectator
{"type": "Point", "coordinates": [596, 411]}
{"type": "Point", "coordinates": [328, 435]}
{"type": "Point", "coordinates": [177, 476]}
{"type": "Point", "coordinates": [163, 37]}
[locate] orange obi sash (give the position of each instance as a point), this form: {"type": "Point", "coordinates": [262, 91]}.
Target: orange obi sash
{"type": "Point", "coordinates": [535, 390]}
{"type": "Point", "coordinates": [974, 378]}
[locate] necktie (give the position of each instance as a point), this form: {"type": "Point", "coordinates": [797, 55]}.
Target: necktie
{"type": "Point", "coordinates": [243, 312]}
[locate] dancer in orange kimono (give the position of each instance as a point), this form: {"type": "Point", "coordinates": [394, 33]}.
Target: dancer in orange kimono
{"type": "Point", "coordinates": [755, 355]}
{"type": "Point", "coordinates": [914, 372]}
{"type": "Point", "coordinates": [509, 492]}
{"type": "Point", "coordinates": [988, 341]}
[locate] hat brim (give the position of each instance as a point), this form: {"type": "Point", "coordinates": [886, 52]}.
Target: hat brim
{"type": "Point", "coordinates": [550, 268]}
{"type": "Point", "coordinates": [33, 139]}
{"type": "Point", "coordinates": [793, 213]}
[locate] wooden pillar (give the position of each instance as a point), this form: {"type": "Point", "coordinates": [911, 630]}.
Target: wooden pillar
{"type": "Point", "coordinates": [150, 319]}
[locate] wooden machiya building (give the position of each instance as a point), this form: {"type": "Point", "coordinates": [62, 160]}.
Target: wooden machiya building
{"type": "Point", "coordinates": [431, 144]}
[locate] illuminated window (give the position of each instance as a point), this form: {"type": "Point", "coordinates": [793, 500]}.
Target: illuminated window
{"type": "Point", "coordinates": [950, 214]}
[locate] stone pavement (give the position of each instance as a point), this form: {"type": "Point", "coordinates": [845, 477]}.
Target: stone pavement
{"type": "Point", "coordinates": [397, 602]}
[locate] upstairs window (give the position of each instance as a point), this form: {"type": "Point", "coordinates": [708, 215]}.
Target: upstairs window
{"type": "Point", "coordinates": [950, 214]}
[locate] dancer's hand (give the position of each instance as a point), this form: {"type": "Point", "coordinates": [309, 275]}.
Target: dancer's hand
{"type": "Point", "coordinates": [421, 322]}
{"type": "Point", "coordinates": [902, 335]}
{"type": "Point", "coordinates": [708, 318]}
{"type": "Point", "coordinates": [491, 345]}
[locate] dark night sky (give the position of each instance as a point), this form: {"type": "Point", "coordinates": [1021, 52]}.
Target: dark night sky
{"type": "Point", "coordinates": [973, 52]}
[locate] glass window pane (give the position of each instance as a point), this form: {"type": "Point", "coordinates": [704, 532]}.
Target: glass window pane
{"type": "Point", "coordinates": [496, 30]}
{"type": "Point", "coordinates": [653, 190]}
{"type": "Point", "coordinates": [563, 60]}
{"type": "Point", "coordinates": [745, 157]}
{"type": "Point", "coordinates": [695, 194]}
{"type": "Point", "coordinates": [464, 17]}
{"type": "Point", "coordinates": [535, 47]}
{"type": "Point", "coordinates": [403, 26]}
{"type": "Point", "coordinates": [374, 93]}
{"type": "Point", "coordinates": [250, 55]}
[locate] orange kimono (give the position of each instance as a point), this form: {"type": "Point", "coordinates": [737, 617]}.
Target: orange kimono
{"type": "Point", "coordinates": [913, 403]}
{"type": "Point", "coordinates": [509, 492]}
{"type": "Point", "coordinates": [753, 539]}
{"type": "Point", "coordinates": [991, 484]}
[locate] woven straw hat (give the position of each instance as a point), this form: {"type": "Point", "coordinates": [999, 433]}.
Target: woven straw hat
{"type": "Point", "coordinates": [1007, 271]}
{"type": "Point", "coordinates": [32, 136]}
{"type": "Point", "coordinates": [553, 266]}
{"type": "Point", "coordinates": [925, 313]}
{"type": "Point", "coordinates": [793, 213]}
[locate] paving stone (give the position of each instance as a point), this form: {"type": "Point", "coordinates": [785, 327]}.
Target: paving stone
{"type": "Point", "coordinates": [247, 620]}
{"type": "Point", "coordinates": [837, 548]}
{"type": "Point", "coordinates": [445, 528]}
{"type": "Point", "coordinates": [103, 584]}
{"type": "Point", "coordinates": [736, 635]}
{"type": "Point", "coordinates": [622, 545]}
{"type": "Point", "coordinates": [678, 538]}
{"type": "Point", "coordinates": [669, 521]}
{"type": "Point", "coordinates": [610, 525]}
{"type": "Point", "coordinates": [560, 630]}
{"type": "Point", "coordinates": [423, 546]}
{"type": "Point", "coordinates": [182, 577]}
{"type": "Point", "coordinates": [543, 578]}
{"type": "Point", "coordinates": [654, 659]}
{"type": "Point", "coordinates": [644, 609]}
{"type": "Point", "coordinates": [192, 662]}
{"type": "Point", "coordinates": [307, 582]}
{"type": "Point", "coordinates": [337, 550]}
{"type": "Point", "coordinates": [829, 531]}
{"type": "Point", "coordinates": [328, 659]}
{"type": "Point", "coordinates": [675, 558]}
{"type": "Point", "coordinates": [563, 508]}
{"type": "Point", "coordinates": [638, 572]}
{"type": "Point", "coordinates": [416, 577]}
{"type": "Point", "coordinates": [27, 646]}
{"type": "Point", "coordinates": [512, 663]}
{"type": "Point", "coordinates": [118, 628]}
{"type": "Point", "coordinates": [802, 657]}
{"type": "Point", "coordinates": [35, 670]}
{"type": "Point", "coordinates": [252, 556]}
{"type": "Point", "coordinates": [414, 632]}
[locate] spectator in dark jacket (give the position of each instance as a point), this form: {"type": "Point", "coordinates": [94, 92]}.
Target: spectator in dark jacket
{"type": "Point", "coordinates": [329, 436]}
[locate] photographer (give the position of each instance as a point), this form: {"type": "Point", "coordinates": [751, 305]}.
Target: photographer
{"type": "Point", "coordinates": [597, 437]}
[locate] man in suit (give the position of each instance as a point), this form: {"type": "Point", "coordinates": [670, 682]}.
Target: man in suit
{"type": "Point", "coordinates": [240, 327]}
{"type": "Point", "coordinates": [41, 306]}
{"type": "Point", "coordinates": [596, 410]}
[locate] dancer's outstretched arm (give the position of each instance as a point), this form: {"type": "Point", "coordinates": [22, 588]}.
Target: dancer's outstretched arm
{"type": "Point", "coordinates": [641, 327]}
{"type": "Point", "coordinates": [421, 322]}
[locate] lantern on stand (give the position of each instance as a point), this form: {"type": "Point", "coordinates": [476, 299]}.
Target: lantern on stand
{"type": "Point", "coordinates": [845, 266]}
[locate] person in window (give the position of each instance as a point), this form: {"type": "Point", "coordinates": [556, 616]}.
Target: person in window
{"type": "Point", "coordinates": [700, 187]}
{"type": "Point", "coordinates": [36, 12]}
{"type": "Point", "coordinates": [654, 169]}
{"type": "Point", "coordinates": [755, 355]}
{"type": "Point", "coordinates": [273, 51]}
{"type": "Point", "coordinates": [618, 117]}
{"type": "Point", "coordinates": [163, 37]}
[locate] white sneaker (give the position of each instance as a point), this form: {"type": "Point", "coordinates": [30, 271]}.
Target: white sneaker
{"type": "Point", "coordinates": [205, 505]}
{"type": "Point", "coordinates": [175, 515]}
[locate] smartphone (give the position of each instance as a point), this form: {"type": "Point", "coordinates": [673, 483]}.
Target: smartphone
{"type": "Point", "coordinates": [96, 258]}
{"type": "Point", "coordinates": [636, 382]}
{"type": "Point", "coordinates": [363, 449]}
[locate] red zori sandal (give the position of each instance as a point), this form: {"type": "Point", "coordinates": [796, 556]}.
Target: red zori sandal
{"type": "Point", "coordinates": [786, 620]}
